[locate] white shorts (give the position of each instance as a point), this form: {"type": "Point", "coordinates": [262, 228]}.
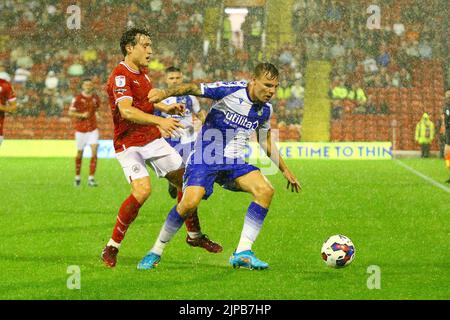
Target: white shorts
{"type": "Point", "coordinates": [158, 153]}
{"type": "Point", "coordinates": [86, 138]}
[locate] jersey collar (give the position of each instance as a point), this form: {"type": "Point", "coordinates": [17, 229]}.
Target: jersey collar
{"type": "Point", "coordinates": [129, 68]}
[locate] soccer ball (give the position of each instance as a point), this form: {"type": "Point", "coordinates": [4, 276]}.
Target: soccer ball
{"type": "Point", "coordinates": [338, 251]}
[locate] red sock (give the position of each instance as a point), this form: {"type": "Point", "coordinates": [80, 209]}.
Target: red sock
{"type": "Point", "coordinates": [127, 213]}
{"type": "Point", "coordinates": [192, 222]}
{"type": "Point", "coordinates": [77, 166]}
{"type": "Point", "coordinates": [93, 166]}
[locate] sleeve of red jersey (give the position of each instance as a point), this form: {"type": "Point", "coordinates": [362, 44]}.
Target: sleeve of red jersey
{"type": "Point", "coordinates": [10, 94]}
{"type": "Point", "coordinates": [121, 88]}
{"type": "Point", "coordinates": [75, 104]}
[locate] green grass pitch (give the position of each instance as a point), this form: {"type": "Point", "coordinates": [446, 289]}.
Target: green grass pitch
{"type": "Point", "coordinates": [397, 221]}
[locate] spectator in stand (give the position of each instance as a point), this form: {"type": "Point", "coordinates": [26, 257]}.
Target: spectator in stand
{"type": "Point", "coordinates": [53, 103]}
{"type": "Point", "coordinates": [281, 114]}
{"type": "Point", "coordinates": [76, 69]}
{"type": "Point", "coordinates": [357, 95]}
{"type": "Point", "coordinates": [337, 50]}
{"type": "Point", "coordinates": [155, 64]}
{"type": "Point", "coordinates": [385, 78]}
{"type": "Point", "coordinates": [395, 80]}
{"type": "Point", "coordinates": [284, 92]}
{"type": "Point", "coordinates": [399, 29]}
{"type": "Point", "coordinates": [4, 74]}
{"type": "Point", "coordinates": [338, 93]}
{"type": "Point", "coordinates": [156, 5]}
{"type": "Point", "coordinates": [286, 56]}
{"type": "Point", "coordinates": [384, 57]}
{"type": "Point", "coordinates": [21, 75]}
{"type": "Point", "coordinates": [198, 73]}
{"type": "Point", "coordinates": [298, 95]}
{"type": "Point", "coordinates": [405, 78]}
{"type": "Point", "coordinates": [51, 82]}
{"type": "Point", "coordinates": [313, 47]}
{"type": "Point", "coordinates": [413, 50]}
{"type": "Point", "coordinates": [425, 50]}
{"type": "Point", "coordinates": [370, 65]}
{"type": "Point", "coordinates": [25, 60]}
{"type": "Point", "coordinates": [334, 12]}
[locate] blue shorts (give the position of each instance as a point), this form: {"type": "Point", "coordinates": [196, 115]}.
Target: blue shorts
{"type": "Point", "coordinates": [184, 149]}
{"type": "Point", "coordinates": [202, 175]}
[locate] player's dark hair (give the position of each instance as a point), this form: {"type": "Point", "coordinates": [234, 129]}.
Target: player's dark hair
{"type": "Point", "coordinates": [129, 37]}
{"type": "Point", "coordinates": [172, 69]}
{"type": "Point", "coordinates": [267, 69]}
{"type": "Point", "coordinates": [85, 79]}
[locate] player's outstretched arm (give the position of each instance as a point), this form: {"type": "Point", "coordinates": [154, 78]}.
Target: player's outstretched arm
{"type": "Point", "coordinates": [174, 108]}
{"type": "Point", "coordinates": [272, 152]}
{"type": "Point", "coordinates": [157, 95]}
{"type": "Point", "coordinates": [130, 113]}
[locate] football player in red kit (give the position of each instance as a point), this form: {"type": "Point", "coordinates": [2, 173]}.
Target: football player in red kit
{"type": "Point", "coordinates": [84, 110]}
{"type": "Point", "coordinates": [138, 141]}
{"type": "Point", "coordinates": [7, 103]}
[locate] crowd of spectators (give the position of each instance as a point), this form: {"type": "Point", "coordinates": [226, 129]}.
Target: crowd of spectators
{"type": "Point", "coordinates": [364, 57]}
{"type": "Point", "coordinates": [46, 68]}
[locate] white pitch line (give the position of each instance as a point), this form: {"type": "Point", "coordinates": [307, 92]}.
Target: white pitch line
{"type": "Point", "coordinates": [428, 179]}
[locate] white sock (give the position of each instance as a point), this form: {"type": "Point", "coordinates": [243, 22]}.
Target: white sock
{"type": "Point", "coordinates": [112, 243]}
{"type": "Point", "coordinates": [91, 178]}
{"type": "Point", "coordinates": [195, 235]}
{"type": "Point", "coordinates": [169, 229]}
{"type": "Point", "coordinates": [77, 178]}
{"type": "Point", "coordinates": [252, 226]}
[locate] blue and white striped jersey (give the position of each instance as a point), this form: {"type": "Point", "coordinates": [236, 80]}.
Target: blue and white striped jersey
{"type": "Point", "coordinates": [192, 105]}
{"type": "Point", "coordinates": [232, 119]}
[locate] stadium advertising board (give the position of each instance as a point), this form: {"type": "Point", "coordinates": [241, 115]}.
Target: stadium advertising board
{"type": "Point", "coordinates": [288, 150]}
{"type": "Point", "coordinates": [331, 150]}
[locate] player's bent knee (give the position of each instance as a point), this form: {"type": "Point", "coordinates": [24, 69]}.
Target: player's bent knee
{"type": "Point", "coordinates": [265, 192]}
{"type": "Point", "coordinates": [142, 192]}
{"type": "Point", "coordinates": [187, 206]}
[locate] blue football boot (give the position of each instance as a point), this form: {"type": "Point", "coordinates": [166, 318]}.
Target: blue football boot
{"type": "Point", "coordinates": [247, 259]}
{"type": "Point", "coordinates": [150, 261]}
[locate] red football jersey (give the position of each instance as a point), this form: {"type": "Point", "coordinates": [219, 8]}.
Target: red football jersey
{"type": "Point", "coordinates": [126, 83]}
{"type": "Point", "coordinates": [6, 95]}
{"type": "Point", "coordinates": [82, 103]}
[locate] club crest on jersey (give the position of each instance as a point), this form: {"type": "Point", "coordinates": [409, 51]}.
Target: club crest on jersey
{"type": "Point", "coordinates": [120, 81]}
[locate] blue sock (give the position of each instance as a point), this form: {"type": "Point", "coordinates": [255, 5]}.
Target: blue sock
{"type": "Point", "coordinates": [173, 223]}
{"type": "Point", "coordinates": [252, 226]}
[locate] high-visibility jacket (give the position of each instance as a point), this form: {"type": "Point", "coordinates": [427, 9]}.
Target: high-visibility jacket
{"type": "Point", "coordinates": [284, 93]}
{"type": "Point", "coordinates": [425, 130]}
{"type": "Point", "coordinates": [360, 96]}
{"type": "Point", "coordinates": [339, 92]}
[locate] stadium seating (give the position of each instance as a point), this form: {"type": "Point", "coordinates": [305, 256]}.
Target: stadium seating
{"type": "Point", "coordinates": [406, 106]}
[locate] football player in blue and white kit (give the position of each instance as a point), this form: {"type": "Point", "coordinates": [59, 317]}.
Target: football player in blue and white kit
{"type": "Point", "coordinates": [184, 142]}
{"type": "Point", "coordinates": [241, 108]}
